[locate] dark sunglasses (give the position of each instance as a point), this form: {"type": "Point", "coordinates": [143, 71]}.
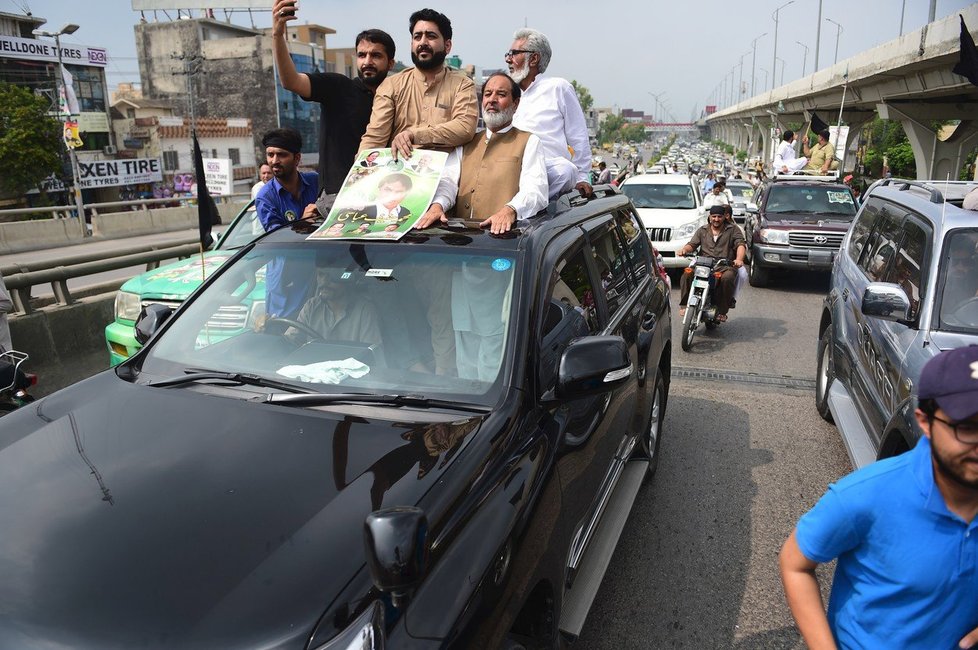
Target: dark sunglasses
{"type": "Point", "coordinates": [966, 432]}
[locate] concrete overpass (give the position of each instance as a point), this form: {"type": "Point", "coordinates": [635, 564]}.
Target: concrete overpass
{"type": "Point", "coordinates": [908, 79]}
{"type": "Point", "coordinates": [671, 127]}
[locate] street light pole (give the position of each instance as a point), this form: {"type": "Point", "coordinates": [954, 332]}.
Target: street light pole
{"type": "Point", "coordinates": [782, 70]}
{"type": "Point", "coordinates": [818, 35]}
{"type": "Point", "coordinates": [740, 81]}
{"type": "Point", "coordinates": [838, 33]}
{"type": "Point", "coordinates": [753, 62]}
{"type": "Point", "coordinates": [774, 62]}
{"type": "Point", "coordinates": [58, 83]}
{"type": "Point", "coordinates": [804, 60]}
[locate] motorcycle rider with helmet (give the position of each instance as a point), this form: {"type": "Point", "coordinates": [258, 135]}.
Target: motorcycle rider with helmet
{"type": "Point", "coordinates": [719, 239]}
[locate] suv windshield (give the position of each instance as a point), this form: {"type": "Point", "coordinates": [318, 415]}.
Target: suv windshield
{"type": "Point", "coordinates": [660, 196]}
{"type": "Point", "coordinates": [366, 317]}
{"type": "Point", "coordinates": [830, 200]}
{"type": "Point", "coordinates": [959, 282]}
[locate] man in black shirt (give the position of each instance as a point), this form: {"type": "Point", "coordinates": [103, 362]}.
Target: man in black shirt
{"type": "Point", "coordinates": [345, 102]}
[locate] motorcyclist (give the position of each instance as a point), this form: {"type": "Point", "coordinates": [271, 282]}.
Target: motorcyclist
{"type": "Point", "coordinates": [717, 239]}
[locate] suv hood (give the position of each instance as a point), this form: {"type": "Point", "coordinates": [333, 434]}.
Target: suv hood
{"type": "Point", "coordinates": [793, 220]}
{"type": "Point", "coordinates": [164, 517]}
{"type": "Point", "coordinates": [667, 217]}
{"type": "Point", "coordinates": [178, 280]}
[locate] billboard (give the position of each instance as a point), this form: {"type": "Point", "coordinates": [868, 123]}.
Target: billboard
{"type": "Point", "coordinates": [219, 175]}
{"type": "Point", "coordinates": [33, 49]}
{"type": "Point", "coordinates": [110, 173]}
{"type": "Point", "coordinates": [162, 5]}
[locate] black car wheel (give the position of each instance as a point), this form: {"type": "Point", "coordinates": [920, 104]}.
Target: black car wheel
{"type": "Point", "coordinates": [759, 276]}
{"type": "Point", "coordinates": [652, 434]}
{"type": "Point", "coordinates": [824, 375]}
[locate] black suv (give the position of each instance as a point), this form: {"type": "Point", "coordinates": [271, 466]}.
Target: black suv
{"type": "Point", "coordinates": [798, 223]}
{"type": "Point", "coordinates": [903, 289]}
{"type": "Point", "coordinates": [437, 446]}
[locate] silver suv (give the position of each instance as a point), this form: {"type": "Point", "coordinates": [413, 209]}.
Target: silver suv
{"type": "Point", "coordinates": [903, 289]}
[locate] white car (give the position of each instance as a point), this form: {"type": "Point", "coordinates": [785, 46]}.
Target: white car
{"type": "Point", "coordinates": [671, 210]}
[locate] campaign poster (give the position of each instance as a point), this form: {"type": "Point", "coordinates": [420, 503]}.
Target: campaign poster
{"type": "Point", "coordinates": [383, 198]}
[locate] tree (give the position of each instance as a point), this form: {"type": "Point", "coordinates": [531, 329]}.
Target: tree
{"type": "Point", "coordinates": [30, 140]}
{"type": "Point", "coordinates": [583, 96]}
{"type": "Point", "coordinates": [609, 131]}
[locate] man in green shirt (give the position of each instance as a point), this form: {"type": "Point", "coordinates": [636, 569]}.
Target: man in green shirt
{"type": "Point", "coordinates": [821, 157]}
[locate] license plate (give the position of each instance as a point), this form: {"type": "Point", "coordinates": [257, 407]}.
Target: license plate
{"type": "Point", "coordinates": [701, 284]}
{"type": "Point", "coordinates": [693, 301]}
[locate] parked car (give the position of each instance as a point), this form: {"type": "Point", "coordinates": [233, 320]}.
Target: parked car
{"type": "Point", "coordinates": [670, 207]}
{"type": "Point", "coordinates": [171, 284]}
{"type": "Point", "coordinates": [447, 464]}
{"type": "Point", "coordinates": [903, 290]}
{"type": "Point", "coordinates": [799, 225]}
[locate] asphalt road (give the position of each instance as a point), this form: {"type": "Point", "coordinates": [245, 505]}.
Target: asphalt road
{"type": "Point", "coordinates": [696, 566]}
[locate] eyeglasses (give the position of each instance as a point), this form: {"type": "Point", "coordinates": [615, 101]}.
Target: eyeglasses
{"type": "Point", "coordinates": [511, 53]}
{"type": "Point", "coordinates": [966, 432]}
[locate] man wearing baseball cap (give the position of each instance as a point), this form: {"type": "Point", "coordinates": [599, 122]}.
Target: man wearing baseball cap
{"type": "Point", "coordinates": [903, 530]}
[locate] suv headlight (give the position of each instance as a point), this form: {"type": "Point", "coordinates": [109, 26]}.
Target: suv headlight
{"type": "Point", "coordinates": [365, 633]}
{"type": "Point", "coordinates": [127, 306]}
{"type": "Point", "coordinates": [685, 231]}
{"type": "Point", "coordinates": [772, 236]}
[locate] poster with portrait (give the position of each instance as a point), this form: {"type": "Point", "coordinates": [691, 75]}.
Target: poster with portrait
{"type": "Point", "coordinates": [383, 198]}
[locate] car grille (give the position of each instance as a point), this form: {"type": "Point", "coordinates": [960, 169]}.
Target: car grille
{"type": "Point", "coordinates": [228, 317]}
{"type": "Point", "coordinates": [660, 234]}
{"type": "Point", "coordinates": [827, 240]}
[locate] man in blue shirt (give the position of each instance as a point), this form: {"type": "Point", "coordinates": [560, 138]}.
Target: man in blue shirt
{"type": "Point", "coordinates": [290, 196]}
{"type": "Point", "coordinates": [904, 531]}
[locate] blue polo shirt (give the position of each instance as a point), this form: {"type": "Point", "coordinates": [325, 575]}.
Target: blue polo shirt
{"type": "Point", "coordinates": [906, 575]}
{"type": "Point", "coordinates": [287, 285]}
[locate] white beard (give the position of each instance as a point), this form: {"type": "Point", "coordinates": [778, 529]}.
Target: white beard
{"type": "Point", "coordinates": [519, 74]}
{"type": "Point", "coordinates": [496, 121]}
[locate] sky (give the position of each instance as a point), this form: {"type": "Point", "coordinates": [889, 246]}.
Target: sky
{"type": "Point", "coordinates": [623, 52]}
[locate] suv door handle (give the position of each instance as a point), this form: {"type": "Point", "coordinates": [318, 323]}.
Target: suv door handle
{"type": "Point", "coordinates": [649, 321]}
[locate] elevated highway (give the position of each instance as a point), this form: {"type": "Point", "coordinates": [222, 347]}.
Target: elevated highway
{"type": "Point", "coordinates": [908, 79]}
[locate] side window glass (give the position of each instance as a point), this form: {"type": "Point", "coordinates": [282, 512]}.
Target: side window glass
{"type": "Point", "coordinates": [569, 312]}
{"type": "Point", "coordinates": [861, 228]}
{"type": "Point", "coordinates": [881, 246]}
{"type": "Point", "coordinates": [636, 244]}
{"type": "Point", "coordinates": [908, 263]}
{"type": "Point", "coordinates": [612, 265]}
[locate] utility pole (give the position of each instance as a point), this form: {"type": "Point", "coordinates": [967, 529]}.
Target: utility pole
{"type": "Point", "coordinates": [753, 62]}
{"type": "Point", "coordinates": [58, 83]}
{"type": "Point", "coordinates": [774, 63]}
{"type": "Point", "coordinates": [192, 66]}
{"type": "Point", "coordinates": [818, 35]}
{"type": "Point", "coordinates": [804, 60]}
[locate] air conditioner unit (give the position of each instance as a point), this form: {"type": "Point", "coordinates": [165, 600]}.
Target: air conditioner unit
{"type": "Point", "coordinates": [109, 150]}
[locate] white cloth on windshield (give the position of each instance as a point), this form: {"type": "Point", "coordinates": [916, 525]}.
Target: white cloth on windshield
{"type": "Point", "coordinates": [527, 202]}
{"type": "Point", "coordinates": [785, 157]}
{"type": "Point", "coordinates": [326, 372]}
{"type": "Point", "coordinates": [550, 109]}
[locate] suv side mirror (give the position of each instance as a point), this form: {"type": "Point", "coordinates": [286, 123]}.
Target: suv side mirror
{"type": "Point", "coordinates": [592, 365]}
{"type": "Point", "coordinates": [887, 301]}
{"type": "Point", "coordinates": [397, 545]}
{"type": "Point", "coordinates": [151, 318]}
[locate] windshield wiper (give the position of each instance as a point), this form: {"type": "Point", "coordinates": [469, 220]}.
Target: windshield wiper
{"type": "Point", "coordinates": [323, 399]}
{"type": "Point", "coordinates": [239, 378]}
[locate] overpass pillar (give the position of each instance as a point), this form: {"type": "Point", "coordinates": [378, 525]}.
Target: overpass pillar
{"type": "Point", "coordinates": [934, 158]}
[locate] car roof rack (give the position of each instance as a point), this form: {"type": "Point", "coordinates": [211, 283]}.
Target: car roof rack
{"type": "Point", "coordinates": [572, 199]}
{"type": "Point", "coordinates": [903, 184]}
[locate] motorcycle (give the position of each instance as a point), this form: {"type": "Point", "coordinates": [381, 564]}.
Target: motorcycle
{"type": "Point", "coordinates": [14, 382]}
{"type": "Point", "coordinates": [706, 272]}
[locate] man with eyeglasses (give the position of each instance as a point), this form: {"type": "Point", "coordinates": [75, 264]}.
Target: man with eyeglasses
{"type": "Point", "coordinates": [903, 530]}
{"type": "Point", "coordinates": [550, 109]}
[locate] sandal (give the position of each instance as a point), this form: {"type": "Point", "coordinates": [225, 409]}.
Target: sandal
{"type": "Point", "coordinates": [682, 312]}
{"type": "Point", "coordinates": [721, 318]}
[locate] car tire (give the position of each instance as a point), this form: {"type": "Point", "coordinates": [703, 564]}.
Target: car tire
{"type": "Point", "coordinates": [758, 276]}
{"type": "Point", "coordinates": [824, 375]}
{"type": "Point", "coordinates": [651, 436]}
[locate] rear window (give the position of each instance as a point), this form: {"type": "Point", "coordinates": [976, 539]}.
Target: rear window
{"type": "Point", "coordinates": [806, 199]}
{"type": "Point", "coordinates": [660, 196]}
